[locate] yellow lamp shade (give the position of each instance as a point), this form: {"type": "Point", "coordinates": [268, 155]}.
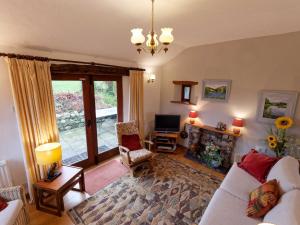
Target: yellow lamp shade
{"type": "Point", "coordinates": [48, 153]}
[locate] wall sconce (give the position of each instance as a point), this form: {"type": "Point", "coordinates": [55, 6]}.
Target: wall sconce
{"type": "Point", "coordinates": [151, 78]}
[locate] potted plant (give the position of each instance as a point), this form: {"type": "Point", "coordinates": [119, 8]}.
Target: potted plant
{"type": "Point", "coordinates": [277, 138]}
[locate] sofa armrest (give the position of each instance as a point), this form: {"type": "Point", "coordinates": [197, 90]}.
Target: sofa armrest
{"type": "Point", "coordinates": [13, 193]}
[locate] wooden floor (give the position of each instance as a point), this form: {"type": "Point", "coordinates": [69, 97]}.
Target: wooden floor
{"type": "Point", "coordinates": [74, 198]}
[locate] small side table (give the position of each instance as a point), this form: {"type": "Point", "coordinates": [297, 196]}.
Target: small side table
{"type": "Point", "coordinates": [70, 176]}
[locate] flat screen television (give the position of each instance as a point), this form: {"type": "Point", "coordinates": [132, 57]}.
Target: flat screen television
{"type": "Point", "coordinates": [167, 123]}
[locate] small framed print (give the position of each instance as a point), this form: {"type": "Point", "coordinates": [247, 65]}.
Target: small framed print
{"type": "Point", "coordinates": [274, 104]}
{"type": "Point", "coordinates": [216, 90]}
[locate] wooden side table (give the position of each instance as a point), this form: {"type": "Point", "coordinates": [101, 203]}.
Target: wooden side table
{"type": "Point", "coordinates": [43, 191]}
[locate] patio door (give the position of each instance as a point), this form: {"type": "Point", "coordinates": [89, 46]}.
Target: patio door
{"type": "Point", "coordinates": [87, 108]}
{"type": "Point", "coordinates": [107, 111]}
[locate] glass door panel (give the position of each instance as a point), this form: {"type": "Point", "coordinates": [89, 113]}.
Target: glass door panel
{"type": "Point", "coordinates": [70, 115]}
{"type": "Point", "coordinates": [106, 106]}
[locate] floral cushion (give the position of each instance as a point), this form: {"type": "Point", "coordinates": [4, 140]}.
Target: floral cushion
{"type": "Point", "coordinates": [263, 199]}
{"type": "Point", "coordinates": [140, 155]}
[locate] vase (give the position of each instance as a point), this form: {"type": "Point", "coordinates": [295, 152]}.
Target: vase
{"type": "Point", "coordinates": [215, 163]}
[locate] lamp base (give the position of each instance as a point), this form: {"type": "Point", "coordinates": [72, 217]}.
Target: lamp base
{"type": "Point", "coordinates": [236, 131]}
{"type": "Point", "coordinates": [53, 173]}
{"type": "Point", "coordinates": [53, 177]}
{"type": "Point", "coordinates": [192, 121]}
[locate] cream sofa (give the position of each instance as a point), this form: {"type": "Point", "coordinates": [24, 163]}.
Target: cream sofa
{"type": "Point", "coordinates": [229, 203]}
{"type": "Point", "coordinates": [16, 212]}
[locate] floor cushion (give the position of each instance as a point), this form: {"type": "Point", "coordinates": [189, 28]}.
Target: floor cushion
{"type": "Point", "coordinates": [226, 209]}
{"type": "Point", "coordinates": [286, 172]}
{"type": "Point", "coordinates": [10, 213]}
{"type": "Point", "coordinates": [286, 212]}
{"type": "Point", "coordinates": [239, 183]}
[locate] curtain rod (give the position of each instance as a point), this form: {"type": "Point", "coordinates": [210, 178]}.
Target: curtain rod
{"type": "Point", "coordinates": [29, 57]}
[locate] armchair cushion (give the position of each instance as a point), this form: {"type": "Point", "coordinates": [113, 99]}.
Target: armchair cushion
{"type": "Point", "coordinates": [9, 215]}
{"type": "Point", "coordinates": [139, 155]}
{"type": "Point", "coordinates": [132, 142]}
{"type": "Point", "coordinates": [3, 204]}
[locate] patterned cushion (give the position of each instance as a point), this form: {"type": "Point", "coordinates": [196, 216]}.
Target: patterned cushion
{"type": "Point", "coordinates": [139, 155]}
{"type": "Point", "coordinates": [263, 199]}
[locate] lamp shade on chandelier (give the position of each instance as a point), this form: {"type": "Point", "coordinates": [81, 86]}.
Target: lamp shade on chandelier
{"type": "Point", "coordinates": [152, 44]}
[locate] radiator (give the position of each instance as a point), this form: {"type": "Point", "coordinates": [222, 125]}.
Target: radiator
{"type": "Point", "coordinates": [5, 176]}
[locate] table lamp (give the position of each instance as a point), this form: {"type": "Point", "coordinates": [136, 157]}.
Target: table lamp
{"type": "Point", "coordinates": [237, 122]}
{"type": "Point", "coordinates": [192, 116]}
{"type": "Point", "coordinates": [49, 154]}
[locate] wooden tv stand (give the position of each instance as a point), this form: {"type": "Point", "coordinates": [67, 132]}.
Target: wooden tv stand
{"type": "Point", "coordinates": [165, 142]}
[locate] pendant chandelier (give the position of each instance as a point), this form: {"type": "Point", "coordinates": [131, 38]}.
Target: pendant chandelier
{"type": "Point", "coordinates": [152, 44]}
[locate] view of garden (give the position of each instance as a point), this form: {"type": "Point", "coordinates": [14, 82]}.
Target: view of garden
{"type": "Point", "coordinates": [71, 121]}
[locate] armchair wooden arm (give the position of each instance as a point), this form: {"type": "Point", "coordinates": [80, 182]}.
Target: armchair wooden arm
{"type": "Point", "coordinates": [124, 152]}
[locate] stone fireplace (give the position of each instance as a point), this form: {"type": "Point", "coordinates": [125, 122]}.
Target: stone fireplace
{"type": "Point", "coordinates": [222, 142]}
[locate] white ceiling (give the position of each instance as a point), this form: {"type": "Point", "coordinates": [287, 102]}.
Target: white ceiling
{"type": "Point", "coordinates": [102, 27]}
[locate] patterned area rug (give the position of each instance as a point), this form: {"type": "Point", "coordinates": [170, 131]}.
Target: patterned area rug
{"type": "Point", "coordinates": [171, 194]}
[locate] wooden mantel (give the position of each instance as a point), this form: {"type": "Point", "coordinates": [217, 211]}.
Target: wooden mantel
{"type": "Point", "coordinates": [210, 128]}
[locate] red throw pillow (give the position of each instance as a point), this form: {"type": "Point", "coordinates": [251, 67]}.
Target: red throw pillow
{"type": "Point", "coordinates": [132, 142]}
{"type": "Point", "coordinates": [257, 164]}
{"type": "Point", "coordinates": [3, 204]}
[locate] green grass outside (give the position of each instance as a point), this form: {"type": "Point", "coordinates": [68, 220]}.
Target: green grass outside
{"type": "Point", "coordinates": [66, 86]}
{"type": "Point", "coordinates": [106, 91]}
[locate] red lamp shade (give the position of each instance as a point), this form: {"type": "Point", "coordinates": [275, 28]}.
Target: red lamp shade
{"type": "Point", "coordinates": [238, 122]}
{"type": "Point", "coordinates": [193, 114]}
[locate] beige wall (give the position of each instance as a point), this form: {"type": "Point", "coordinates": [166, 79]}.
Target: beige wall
{"type": "Point", "coordinates": [252, 65]}
{"type": "Point", "coordinates": [151, 98]}
{"type": "Point", "coordinates": [10, 145]}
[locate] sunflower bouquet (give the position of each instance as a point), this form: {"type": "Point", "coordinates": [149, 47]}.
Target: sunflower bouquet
{"type": "Point", "coordinates": [277, 139]}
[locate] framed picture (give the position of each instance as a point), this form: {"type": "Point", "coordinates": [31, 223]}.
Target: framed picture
{"type": "Point", "coordinates": [274, 104]}
{"type": "Point", "coordinates": [216, 90]}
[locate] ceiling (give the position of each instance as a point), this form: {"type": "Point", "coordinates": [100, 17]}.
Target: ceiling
{"type": "Point", "coordinates": [102, 27]}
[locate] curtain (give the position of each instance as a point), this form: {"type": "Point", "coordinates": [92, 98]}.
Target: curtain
{"type": "Point", "coordinates": [34, 102]}
{"type": "Point", "coordinates": [136, 93]}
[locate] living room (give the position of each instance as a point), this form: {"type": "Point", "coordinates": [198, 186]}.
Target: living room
{"type": "Point", "coordinates": [215, 97]}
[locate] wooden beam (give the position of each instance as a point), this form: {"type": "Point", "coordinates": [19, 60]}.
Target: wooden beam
{"type": "Point", "coordinates": [57, 69]}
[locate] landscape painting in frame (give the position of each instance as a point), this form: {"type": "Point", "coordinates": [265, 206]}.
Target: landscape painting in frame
{"type": "Point", "coordinates": [216, 90]}
{"type": "Point", "coordinates": [274, 104]}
